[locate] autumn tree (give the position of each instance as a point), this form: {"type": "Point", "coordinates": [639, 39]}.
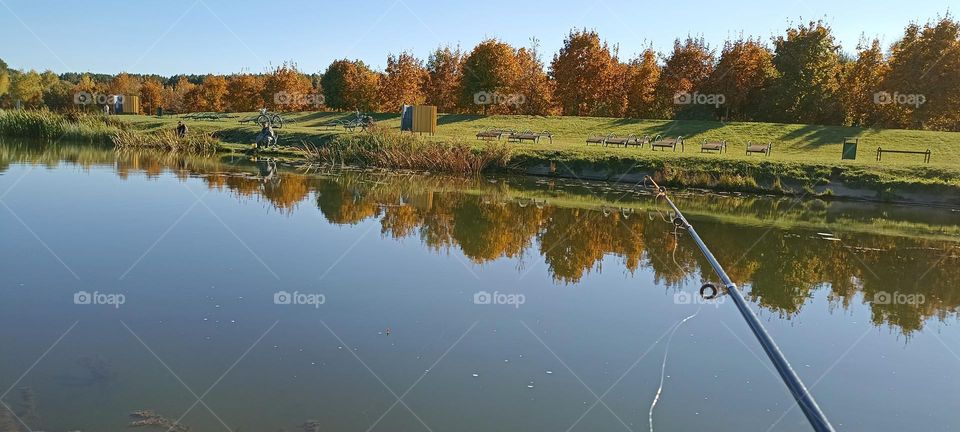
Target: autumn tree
{"type": "Point", "coordinates": [643, 73]}
{"type": "Point", "coordinates": [124, 84]}
{"type": "Point", "coordinates": [743, 72]}
{"type": "Point", "coordinates": [533, 83]}
{"type": "Point", "coordinates": [214, 93]}
{"type": "Point", "coordinates": [349, 85]}
{"type": "Point", "coordinates": [288, 89]}
{"type": "Point", "coordinates": [245, 92]}
{"type": "Point", "coordinates": [862, 82]}
{"type": "Point", "coordinates": [489, 78]}
{"type": "Point", "coordinates": [808, 77]}
{"type": "Point", "coordinates": [27, 87]}
{"type": "Point", "coordinates": [684, 72]}
{"type": "Point", "coordinates": [444, 69]}
{"type": "Point", "coordinates": [4, 78]}
{"type": "Point", "coordinates": [174, 98]}
{"type": "Point", "coordinates": [926, 62]}
{"type": "Point", "coordinates": [402, 82]}
{"type": "Point", "coordinates": [586, 74]}
{"type": "Point", "coordinates": [151, 95]}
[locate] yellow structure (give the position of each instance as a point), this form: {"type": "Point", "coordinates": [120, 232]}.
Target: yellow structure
{"type": "Point", "coordinates": [425, 119]}
{"type": "Point", "coordinates": [131, 104]}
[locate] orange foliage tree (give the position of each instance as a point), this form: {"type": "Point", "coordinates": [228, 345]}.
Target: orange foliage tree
{"type": "Point", "coordinates": [245, 92]}
{"type": "Point", "coordinates": [151, 95]}
{"type": "Point", "coordinates": [444, 69]}
{"type": "Point", "coordinates": [289, 90]}
{"type": "Point", "coordinates": [862, 81]}
{"type": "Point", "coordinates": [489, 78]}
{"type": "Point", "coordinates": [744, 70]}
{"type": "Point", "coordinates": [350, 85]}
{"type": "Point", "coordinates": [402, 83]}
{"type": "Point", "coordinates": [533, 83]}
{"type": "Point", "coordinates": [214, 93]}
{"type": "Point", "coordinates": [587, 76]}
{"type": "Point", "coordinates": [643, 73]}
{"type": "Point", "coordinates": [685, 70]}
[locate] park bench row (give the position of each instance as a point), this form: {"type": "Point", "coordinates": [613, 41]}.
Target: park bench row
{"type": "Point", "coordinates": [516, 136]}
{"type": "Point", "coordinates": [664, 143]}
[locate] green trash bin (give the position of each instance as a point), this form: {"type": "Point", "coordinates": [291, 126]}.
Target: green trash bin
{"type": "Point", "coordinates": [850, 148]}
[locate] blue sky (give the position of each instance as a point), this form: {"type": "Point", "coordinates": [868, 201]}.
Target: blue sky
{"type": "Point", "coordinates": [224, 36]}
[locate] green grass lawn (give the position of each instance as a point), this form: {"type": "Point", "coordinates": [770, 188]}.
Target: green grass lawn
{"type": "Point", "coordinates": [791, 142]}
{"type": "Point", "coordinates": [795, 147]}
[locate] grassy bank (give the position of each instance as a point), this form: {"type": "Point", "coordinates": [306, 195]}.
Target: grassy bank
{"type": "Point", "coordinates": [805, 158]}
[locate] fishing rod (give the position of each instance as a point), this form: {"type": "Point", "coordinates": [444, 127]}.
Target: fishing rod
{"type": "Point", "coordinates": [800, 393]}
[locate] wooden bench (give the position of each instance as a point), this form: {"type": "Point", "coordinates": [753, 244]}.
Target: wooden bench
{"type": "Point", "coordinates": [717, 146]}
{"type": "Point", "coordinates": [489, 134]}
{"type": "Point", "coordinates": [926, 154]}
{"type": "Point", "coordinates": [667, 143]}
{"type": "Point", "coordinates": [619, 141]}
{"type": "Point", "coordinates": [759, 148]}
{"type": "Point", "coordinates": [546, 134]}
{"type": "Point", "coordinates": [639, 142]}
{"type": "Point", "coordinates": [597, 139]}
{"type": "Point", "coordinates": [524, 136]}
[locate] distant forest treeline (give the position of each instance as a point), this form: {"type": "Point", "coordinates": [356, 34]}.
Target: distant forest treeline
{"type": "Point", "coordinates": [802, 76]}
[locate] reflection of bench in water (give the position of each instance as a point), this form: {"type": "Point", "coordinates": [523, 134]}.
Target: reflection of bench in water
{"type": "Point", "coordinates": [926, 154]}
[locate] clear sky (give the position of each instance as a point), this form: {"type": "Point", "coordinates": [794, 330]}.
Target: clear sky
{"type": "Point", "coordinates": [226, 36]}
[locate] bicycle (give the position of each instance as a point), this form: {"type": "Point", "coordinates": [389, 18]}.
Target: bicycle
{"type": "Point", "coordinates": [273, 119]}
{"type": "Point", "coordinates": [362, 121]}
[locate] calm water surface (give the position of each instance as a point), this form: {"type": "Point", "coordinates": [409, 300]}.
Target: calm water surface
{"type": "Point", "coordinates": [448, 304]}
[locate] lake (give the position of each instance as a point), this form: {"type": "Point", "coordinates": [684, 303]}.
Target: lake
{"type": "Point", "coordinates": [249, 295]}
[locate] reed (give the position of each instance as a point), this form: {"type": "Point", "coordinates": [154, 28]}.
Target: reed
{"type": "Point", "coordinates": [47, 125]}
{"type": "Point", "coordinates": [386, 149]}
{"type": "Point", "coordinates": [165, 140]}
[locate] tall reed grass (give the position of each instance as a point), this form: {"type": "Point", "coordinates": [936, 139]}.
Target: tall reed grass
{"type": "Point", "coordinates": [386, 149]}
{"type": "Point", "coordinates": [165, 140]}
{"type": "Point", "coordinates": [43, 124]}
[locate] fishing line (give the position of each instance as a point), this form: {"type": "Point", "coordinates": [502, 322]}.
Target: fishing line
{"type": "Point", "coordinates": [663, 366]}
{"type": "Point", "coordinates": [790, 378]}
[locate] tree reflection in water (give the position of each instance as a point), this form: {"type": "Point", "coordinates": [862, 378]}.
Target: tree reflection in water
{"type": "Point", "coordinates": [770, 246]}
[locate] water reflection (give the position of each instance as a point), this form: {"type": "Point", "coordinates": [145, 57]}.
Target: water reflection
{"type": "Point", "coordinates": [780, 250]}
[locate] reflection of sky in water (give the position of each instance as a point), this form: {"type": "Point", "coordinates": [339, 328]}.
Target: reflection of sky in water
{"type": "Point", "coordinates": [199, 255]}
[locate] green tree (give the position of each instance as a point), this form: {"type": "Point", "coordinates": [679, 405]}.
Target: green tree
{"type": "Point", "coordinates": [27, 88]}
{"type": "Point", "coordinates": [926, 63]}
{"type": "Point", "coordinates": [806, 87]}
